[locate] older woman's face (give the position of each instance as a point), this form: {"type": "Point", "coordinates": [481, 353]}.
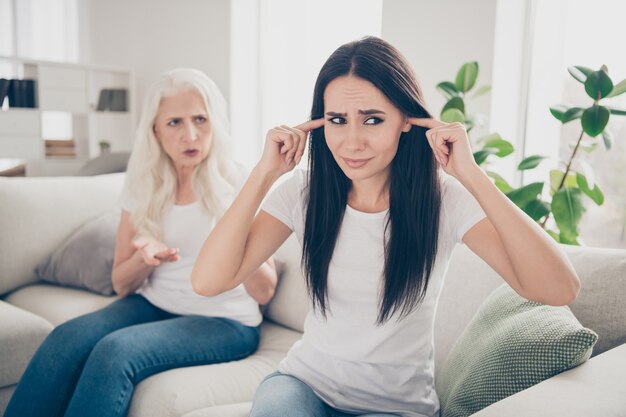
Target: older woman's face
{"type": "Point", "coordinates": [182, 127]}
{"type": "Point", "coordinates": [362, 127]}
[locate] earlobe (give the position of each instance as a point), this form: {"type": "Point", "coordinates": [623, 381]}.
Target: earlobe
{"type": "Point", "coordinates": [407, 127]}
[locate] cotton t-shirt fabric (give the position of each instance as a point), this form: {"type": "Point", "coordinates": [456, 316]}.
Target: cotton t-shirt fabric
{"type": "Point", "coordinates": [352, 363]}
{"type": "Point", "coordinates": [169, 286]}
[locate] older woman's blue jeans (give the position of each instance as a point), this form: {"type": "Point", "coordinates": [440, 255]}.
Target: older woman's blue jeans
{"type": "Point", "coordinates": [282, 395]}
{"type": "Point", "coordinates": [90, 365]}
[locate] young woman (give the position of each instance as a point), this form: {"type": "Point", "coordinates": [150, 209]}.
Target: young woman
{"type": "Point", "coordinates": [377, 220]}
{"type": "Point", "coordinates": [180, 180]}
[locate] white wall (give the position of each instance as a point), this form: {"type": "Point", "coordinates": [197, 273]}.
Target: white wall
{"type": "Point", "coordinates": [437, 37]}
{"type": "Point", "coordinates": [153, 36]}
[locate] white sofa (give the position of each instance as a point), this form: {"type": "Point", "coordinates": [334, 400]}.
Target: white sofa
{"type": "Point", "coordinates": [38, 214]}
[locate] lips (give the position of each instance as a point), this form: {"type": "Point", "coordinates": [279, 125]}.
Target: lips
{"type": "Point", "coordinates": [356, 163]}
{"type": "Point", "coordinates": [191, 152]}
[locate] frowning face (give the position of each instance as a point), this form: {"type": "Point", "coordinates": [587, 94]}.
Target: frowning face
{"type": "Point", "coordinates": [182, 128]}
{"type": "Point", "coordinates": [362, 127]}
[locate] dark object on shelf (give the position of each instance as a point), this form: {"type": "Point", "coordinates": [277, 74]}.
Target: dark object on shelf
{"type": "Point", "coordinates": [113, 99]}
{"type": "Point", "coordinates": [4, 89]}
{"type": "Point", "coordinates": [21, 93]}
{"type": "Point", "coordinates": [18, 170]}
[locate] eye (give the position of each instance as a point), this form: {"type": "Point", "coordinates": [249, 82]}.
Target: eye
{"type": "Point", "coordinates": [337, 120]}
{"type": "Point", "coordinates": [173, 122]}
{"type": "Point", "coordinates": [373, 121]}
{"type": "Point", "coordinates": [200, 119]}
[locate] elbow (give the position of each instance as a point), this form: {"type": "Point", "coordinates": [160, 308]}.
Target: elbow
{"type": "Point", "coordinates": [200, 286]}
{"type": "Point", "coordinates": [264, 297]}
{"type": "Point", "coordinates": [564, 294]}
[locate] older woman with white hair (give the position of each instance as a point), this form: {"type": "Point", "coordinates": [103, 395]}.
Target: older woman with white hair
{"type": "Point", "coordinates": [180, 180]}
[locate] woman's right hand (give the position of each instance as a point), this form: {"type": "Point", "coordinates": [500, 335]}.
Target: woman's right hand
{"type": "Point", "coordinates": [153, 251]}
{"type": "Point", "coordinates": [284, 147]}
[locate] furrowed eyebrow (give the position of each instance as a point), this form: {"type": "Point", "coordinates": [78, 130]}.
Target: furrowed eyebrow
{"type": "Point", "coordinates": [363, 112]}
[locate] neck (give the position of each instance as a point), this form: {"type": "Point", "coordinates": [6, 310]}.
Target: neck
{"type": "Point", "coordinates": [184, 186]}
{"type": "Point", "coordinates": [370, 195]}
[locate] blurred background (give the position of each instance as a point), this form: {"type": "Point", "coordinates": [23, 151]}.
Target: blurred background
{"type": "Point", "coordinates": [90, 63]}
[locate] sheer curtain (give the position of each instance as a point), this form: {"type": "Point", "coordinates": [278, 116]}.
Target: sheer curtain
{"type": "Point", "coordinates": [278, 48]}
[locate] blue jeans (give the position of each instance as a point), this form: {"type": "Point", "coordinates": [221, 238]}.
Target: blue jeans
{"type": "Point", "coordinates": [281, 395]}
{"type": "Point", "coordinates": [90, 365]}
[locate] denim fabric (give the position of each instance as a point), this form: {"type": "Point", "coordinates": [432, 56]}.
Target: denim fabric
{"type": "Point", "coordinates": [89, 366]}
{"type": "Point", "coordinates": [281, 395]}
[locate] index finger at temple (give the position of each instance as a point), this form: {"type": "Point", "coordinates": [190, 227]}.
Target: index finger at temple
{"type": "Point", "coordinates": [425, 122]}
{"type": "Point", "coordinates": [310, 125]}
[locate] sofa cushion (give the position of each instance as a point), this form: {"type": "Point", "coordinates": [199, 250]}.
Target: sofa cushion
{"type": "Point", "coordinates": [85, 260]}
{"type": "Point", "coordinates": [55, 303]}
{"type": "Point", "coordinates": [290, 304]}
{"type": "Point", "coordinates": [180, 391]}
{"type": "Point", "coordinates": [40, 213]}
{"type": "Point", "coordinates": [21, 333]}
{"type": "Point", "coordinates": [600, 303]}
{"type": "Point", "coordinates": [509, 345]}
{"type": "Point", "coordinates": [229, 410]}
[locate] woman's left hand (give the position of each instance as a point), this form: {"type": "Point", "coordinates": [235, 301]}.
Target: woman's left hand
{"type": "Point", "coordinates": [450, 145]}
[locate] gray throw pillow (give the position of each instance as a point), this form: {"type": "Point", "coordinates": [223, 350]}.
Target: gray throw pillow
{"type": "Point", "coordinates": [85, 259]}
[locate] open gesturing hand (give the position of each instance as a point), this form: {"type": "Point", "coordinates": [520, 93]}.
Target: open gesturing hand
{"type": "Point", "coordinates": [153, 251]}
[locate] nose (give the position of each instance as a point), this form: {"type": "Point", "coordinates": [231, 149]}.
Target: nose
{"type": "Point", "coordinates": [191, 132]}
{"type": "Point", "coordinates": [354, 138]}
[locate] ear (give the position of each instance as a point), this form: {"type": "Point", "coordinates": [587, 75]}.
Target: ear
{"type": "Point", "coordinates": [407, 125]}
{"type": "Point", "coordinates": [156, 133]}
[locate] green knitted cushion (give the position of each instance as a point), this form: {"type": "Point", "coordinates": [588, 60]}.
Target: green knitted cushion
{"type": "Point", "coordinates": [509, 345]}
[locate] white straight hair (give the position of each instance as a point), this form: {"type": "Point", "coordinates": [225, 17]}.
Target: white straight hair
{"type": "Point", "coordinates": [151, 179]}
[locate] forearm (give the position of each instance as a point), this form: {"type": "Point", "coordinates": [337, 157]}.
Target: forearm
{"type": "Point", "coordinates": [217, 266]}
{"type": "Point", "coordinates": [261, 285]}
{"type": "Point", "coordinates": [541, 268]}
{"type": "Point", "coordinates": [130, 274]}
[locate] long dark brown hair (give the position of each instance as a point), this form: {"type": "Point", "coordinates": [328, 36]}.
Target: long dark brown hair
{"type": "Point", "coordinates": [412, 224]}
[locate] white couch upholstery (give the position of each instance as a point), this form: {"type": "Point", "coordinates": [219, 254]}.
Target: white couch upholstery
{"type": "Point", "coordinates": [37, 214]}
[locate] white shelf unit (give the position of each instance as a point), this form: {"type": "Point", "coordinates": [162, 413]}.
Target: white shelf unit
{"type": "Point", "coordinates": [73, 89]}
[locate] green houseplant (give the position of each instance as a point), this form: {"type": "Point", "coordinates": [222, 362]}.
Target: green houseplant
{"type": "Point", "coordinates": [569, 185]}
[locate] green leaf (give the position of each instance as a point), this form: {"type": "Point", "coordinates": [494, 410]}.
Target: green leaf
{"type": "Point", "coordinates": [620, 88]}
{"type": "Point", "coordinates": [580, 73]}
{"type": "Point", "coordinates": [558, 111]}
{"type": "Point", "coordinates": [537, 209]}
{"type": "Point", "coordinates": [573, 114]}
{"type": "Point", "coordinates": [598, 85]}
{"type": "Point", "coordinates": [555, 180]}
{"type": "Point", "coordinates": [530, 162]}
{"type": "Point", "coordinates": [607, 137]}
{"type": "Point", "coordinates": [617, 112]}
{"type": "Point", "coordinates": [554, 235]}
{"type": "Point", "coordinates": [448, 89]}
{"type": "Point", "coordinates": [568, 209]}
{"type": "Point", "coordinates": [502, 146]}
{"type": "Point", "coordinates": [500, 182]}
{"type": "Point", "coordinates": [455, 103]}
{"type": "Point", "coordinates": [567, 240]}
{"type": "Point", "coordinates": [466, 77]}
{"type": "Point", "coordinates": [452, 115]}
{"type": "Point", "coordinates": [595, 194]}
{"type": "Point", "coordinates": [482, 90]}
{"type": "Point", "coordinates": [566, 114]}
{"type": "Point", "coordinates": [524, 195]}
{"type": "Point", "coordinates": [481, 156]}
{"type": "Point", "coordinates": [594, 120]}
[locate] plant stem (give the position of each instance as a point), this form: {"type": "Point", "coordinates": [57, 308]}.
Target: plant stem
{"type": "Point", "coordinates": [567, 169]}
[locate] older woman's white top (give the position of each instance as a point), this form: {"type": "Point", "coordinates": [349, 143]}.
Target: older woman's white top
{"type": "Point", "coordinates": [352, 363]}
{"type": "Point", "coordinates": [169, 286]}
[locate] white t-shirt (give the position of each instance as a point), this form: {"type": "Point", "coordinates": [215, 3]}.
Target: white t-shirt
{"type": "Point", "coordinates": [169, 286]}
{"type": "Point", "coordinates": [346, 358]}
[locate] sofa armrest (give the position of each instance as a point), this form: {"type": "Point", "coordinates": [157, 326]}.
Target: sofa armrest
{"type": "Point", "coordinates": [595, 388]}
